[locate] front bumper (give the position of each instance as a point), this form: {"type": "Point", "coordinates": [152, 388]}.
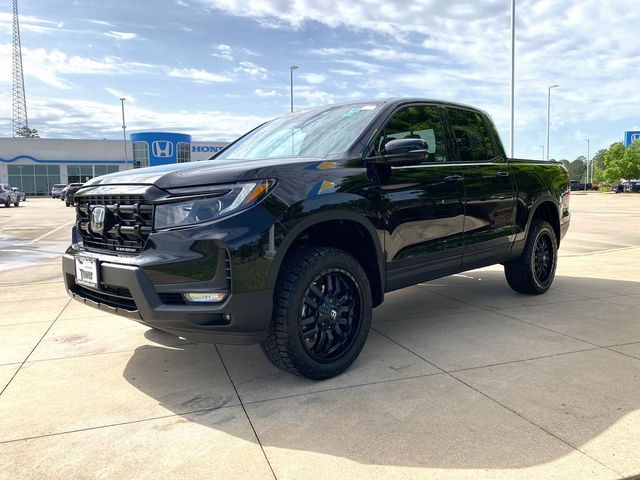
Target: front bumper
{"type": "Point", "coordinates": [126, 290]}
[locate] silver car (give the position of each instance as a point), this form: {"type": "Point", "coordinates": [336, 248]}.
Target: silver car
{"type": "Point", "coordinates": [8, 196]}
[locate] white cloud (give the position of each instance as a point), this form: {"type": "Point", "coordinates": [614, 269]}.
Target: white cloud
{"type": "Point", "coordinates": [121, 35]}
{"type": "Point", "coordinates": [252, 70]}
{"type": "Point", "coordinates": [223, 51]}
{"type": "Point", "coordinates": [198, 75]}
{"type": "Point", "coordinates": [313, 78]}
{"type": "Point", "coordinates": [98, 22]}
{"type": "Point", "coordinates": [120, 94]}
{"type": "Point", "coordinates": [30, 23]}
{"type": "Point", "coordinates": [266, 93]}
{"type": "Point", "coordinates": [54, 66]}
{"type": "Point", "coordinates": [68, 118]}
{"type": "Point", "coordinates": [346, 73]}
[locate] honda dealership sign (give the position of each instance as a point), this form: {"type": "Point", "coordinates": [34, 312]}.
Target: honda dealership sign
{"type": "Point", "coordinates": [630, 137]}
{"type": "Point", "coordinates": [160, 148]}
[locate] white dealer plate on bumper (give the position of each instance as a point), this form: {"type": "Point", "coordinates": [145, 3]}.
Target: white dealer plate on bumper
{"type": "Point", "coordinates": [87, 272]}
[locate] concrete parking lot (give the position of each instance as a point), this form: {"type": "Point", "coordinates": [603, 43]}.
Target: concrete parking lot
{"type": "Point", "coordinates": [460, 378]}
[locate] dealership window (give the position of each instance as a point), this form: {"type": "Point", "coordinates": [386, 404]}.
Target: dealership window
{"type": "Point", "coordinates": [34, 179]}
{"type": "Point", "coordinates": [140, 154]}
{"type": "Point", "coordinates": [84, 173]}
{"type": "Point", "coordinates": [184, 152]}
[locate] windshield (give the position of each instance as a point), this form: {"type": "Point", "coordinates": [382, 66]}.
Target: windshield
{"type": "Point", "coordinates": [309, 133]}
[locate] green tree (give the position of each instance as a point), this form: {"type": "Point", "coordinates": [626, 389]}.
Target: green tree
{"type": "Point", "coordinates": [577, 168]}
{"type": "Point", "coordinates": [599, 165]}
{"type": "Point", "coordinates": [612, 161]}
{"type": "Point", "coordinates": [26, 132]}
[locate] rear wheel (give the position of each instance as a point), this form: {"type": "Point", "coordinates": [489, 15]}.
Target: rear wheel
{"type": "Point", "coordinates": [321, 314]}
{"type": "Point", "coordinates": [533, 272]}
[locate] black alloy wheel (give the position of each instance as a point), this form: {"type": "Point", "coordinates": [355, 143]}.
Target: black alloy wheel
{"type": "Point", "coordinates": [330, 315]}
{"type": "Point", "coordinates": [533, 272]}
{"type": "Point", "coordinates": [543, 258]}
{"type": "Point", "coordinates": [321, 313]}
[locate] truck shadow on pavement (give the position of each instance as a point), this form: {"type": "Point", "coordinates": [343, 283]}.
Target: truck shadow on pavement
{"type": "Point", "coordinates": [459, 373]}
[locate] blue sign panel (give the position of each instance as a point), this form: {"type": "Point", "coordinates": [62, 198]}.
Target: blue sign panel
{"type": "Point", "coordinates": [630, 137]}
{"type": "Point", "coordinates": [161, 148]}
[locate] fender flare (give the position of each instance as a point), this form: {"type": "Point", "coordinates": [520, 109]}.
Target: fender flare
{"type": "Point", "coordinates": [315, 219]}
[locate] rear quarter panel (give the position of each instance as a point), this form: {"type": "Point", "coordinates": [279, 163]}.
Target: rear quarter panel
{"type": "Point", "coordinates": [537, 182]}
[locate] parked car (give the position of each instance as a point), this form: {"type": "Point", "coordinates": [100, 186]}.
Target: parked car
{"type": "Point", "coordinates": [617, 188]}
{"type": "Point", "coordinates": [575, 185]}
{"type": "Point", "coordinates": [21, 195]}
{"type": "Point", "coordinates": [293, 233]}
{"type": "Point", "coordinates": [7, 196]}
{"type": "Point", "coordinates": [69, 193]}
{"type": "Point", "coordinates": [56, 190]}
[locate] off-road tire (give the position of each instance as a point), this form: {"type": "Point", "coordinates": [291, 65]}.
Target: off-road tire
{"type": "Point", "coordinates": [533, 272]}
{"type": "Point", "coordinates": [284, 343]}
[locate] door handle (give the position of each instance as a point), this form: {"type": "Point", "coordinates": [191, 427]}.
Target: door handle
{"type": "Point", "coordinates": [453, 178]}
{"type": "Point", "coordinates": [502, 174]}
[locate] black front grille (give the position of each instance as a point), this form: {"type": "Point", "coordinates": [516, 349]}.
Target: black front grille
{"type": "Point", "coordinates": [116, 297]}
{"type": "Point", "coordinates": [128, 222]}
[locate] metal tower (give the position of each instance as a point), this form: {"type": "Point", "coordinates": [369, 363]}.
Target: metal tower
{"type": "Point", "coordinates": [19, 98]}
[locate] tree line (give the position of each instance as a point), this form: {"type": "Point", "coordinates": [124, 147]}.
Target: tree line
{"type": "Point", "coordinates": [610, 165]}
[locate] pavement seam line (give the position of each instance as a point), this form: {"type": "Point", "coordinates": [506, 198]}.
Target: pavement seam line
{"type": "Point", "coordinates": [34, 347]}
{"type": "Point", "coordinates": [51, 232]}
{"type": "Point", "coordinates": [608, 467]}
{"type": "Point", "coordinates": [118, 424]}
{"type": "Point", "coordinates": [345, 387]}
{"type": "Point", "coordinates": [501, 313]}
{"type": "Point", "coordinates": [255, 433]}
{"type": "Point", "coordinates": [507, 408]}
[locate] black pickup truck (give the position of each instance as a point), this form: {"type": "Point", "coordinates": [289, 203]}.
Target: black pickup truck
{"type": "Point", "coordinates": [292, 234]}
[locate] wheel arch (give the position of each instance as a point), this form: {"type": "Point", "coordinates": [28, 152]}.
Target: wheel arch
{"type": "Point", "coordinates": [349, 231]}
{"type": "Point", "coordinates": [546, 208]}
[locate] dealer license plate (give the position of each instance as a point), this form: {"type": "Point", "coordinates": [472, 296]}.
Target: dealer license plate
{"type": "Point", "coordinates": [87, 271]}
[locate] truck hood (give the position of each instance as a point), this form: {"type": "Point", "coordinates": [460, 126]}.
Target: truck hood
{"type": "Point", "coordinates": [208, 172]}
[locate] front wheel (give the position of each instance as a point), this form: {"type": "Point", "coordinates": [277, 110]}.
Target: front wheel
{"type": "Point", "coordinates": [17, 204]}
{"type": "Point", "coordinates": [321, 313]}
{"type": "Point", "coordinates": [533, 272]}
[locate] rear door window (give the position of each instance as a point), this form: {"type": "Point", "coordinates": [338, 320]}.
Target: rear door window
{"type": "Point", "coordinates": [470, 134]}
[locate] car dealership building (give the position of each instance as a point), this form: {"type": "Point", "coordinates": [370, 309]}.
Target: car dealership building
{"type": "Point", "coordinates": [35, 164]}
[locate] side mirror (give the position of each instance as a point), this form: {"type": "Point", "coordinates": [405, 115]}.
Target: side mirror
{"type": "Point", "coordinates": [409, 148]}
{"type": "Point", "coordinates": [404, 151]}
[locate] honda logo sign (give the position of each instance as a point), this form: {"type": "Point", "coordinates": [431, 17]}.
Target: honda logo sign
{"type": "Point", "coordinates": [162, 149]}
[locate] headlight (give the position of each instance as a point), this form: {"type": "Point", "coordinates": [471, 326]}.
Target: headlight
{"type": "Point", "coordinates": [204, 204]}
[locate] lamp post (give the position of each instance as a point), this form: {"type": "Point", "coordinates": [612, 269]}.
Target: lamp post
{"type": "Point", "coordinates": [513, 75]}
{"type": "Point", "coordinates": [542, 147]}
{"type": "Point", "coordinates": [291, 69]}
{"type": "Point", "coordinates": [124, 131]}
{"type": "Point", "coordinates": [588, 154]}
{"type": "Point", "coordinates": [549, 114]}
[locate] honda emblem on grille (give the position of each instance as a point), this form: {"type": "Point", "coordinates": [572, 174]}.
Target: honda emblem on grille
{"type": "Point", "coordinates": [98, 215]}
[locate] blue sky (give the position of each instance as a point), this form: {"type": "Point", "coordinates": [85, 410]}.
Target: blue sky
{"type": "Point", "coordinates": [216, 68]}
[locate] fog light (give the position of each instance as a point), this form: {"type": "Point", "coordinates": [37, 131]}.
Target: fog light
{"type": "Point", "coordinates": [202, 297]}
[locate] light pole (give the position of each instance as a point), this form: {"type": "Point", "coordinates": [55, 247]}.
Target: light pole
{"type": "Point", "coordinates": [549, 114]}
{"type": "Point", "coordinates": [291, 69]}
{"type": "Point", "coordinates": [588, 154]}
{"type": "Point", "coordinates": [513, 74]}
{"type": "Point", "coordinates": [542, 147]}
{"type": "Point", "coordinates": [124, 131]}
